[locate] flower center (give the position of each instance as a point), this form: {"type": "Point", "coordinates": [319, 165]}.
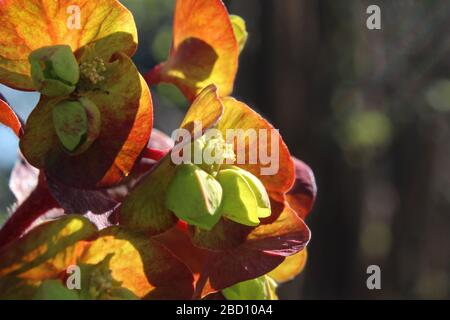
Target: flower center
{"type": "Point", "coordinates": [214, 152]}
{"type": "Point", "coordinates": [93, 70]}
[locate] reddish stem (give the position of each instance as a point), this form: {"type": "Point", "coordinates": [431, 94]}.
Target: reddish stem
{"type": "Point", "coordinates": [153, 77]}
{"type": "Point", "coordinates": [154, 154]}
{"type": "Point", "coordinates": [38, 203]}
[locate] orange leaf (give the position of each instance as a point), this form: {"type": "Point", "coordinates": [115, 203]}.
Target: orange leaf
{"type": "Point", "coordinates": [290, 267]}
{"type": "Point", "coordinates": [206, 109]}
{"type": "Point", "coordinates": [238, 115]}
{"type": "Point", "coordinates": [143, 265]}
{"type": "Point", "coordinates": [28, 25]}
{"type": "Point", "coordinates": [9, 118]}
{"type": "Point", "coordinates": [204, 49]}
{"type": "Point", "coordinates": [46, 250]}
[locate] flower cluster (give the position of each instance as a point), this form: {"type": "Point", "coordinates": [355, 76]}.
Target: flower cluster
{"type": "Point", "coordinates": [97, 189]}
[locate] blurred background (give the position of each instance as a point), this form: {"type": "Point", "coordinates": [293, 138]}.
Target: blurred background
{"type": "Point", "coordinates": [368, 110]}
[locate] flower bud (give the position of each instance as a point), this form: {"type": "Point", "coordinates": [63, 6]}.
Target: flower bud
{"type": "Point", "coordinates": [77, 124]}
{"type": "Point", "coordinates": [240, 31]}
{"type": "Point", "coordinates": [262, 198]}
{"type": "Point", "coordinates": [239, 202]}
{"type": "Point", "coordinates": [194, 196]}
{"type": "Point", "coordinates": [244, 197]}
{"type": "Point", "coordinates": [54, 70]}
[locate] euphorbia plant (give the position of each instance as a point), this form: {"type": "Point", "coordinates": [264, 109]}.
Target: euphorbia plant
{"type": "Point", "coordinates": [96, 191]}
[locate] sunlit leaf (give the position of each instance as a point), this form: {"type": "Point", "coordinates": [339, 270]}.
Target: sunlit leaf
{"type": "Point", "coordinates": [204, 49]}
{"type": "Point", "coordinates": [9, 118]}
{"type": "Point", "coordinates": [28, 25]}
{"type": "Point", "coordinates": [126, 121]}
{"type": "Point", "coordinates": [238, 115]}
{"type": "Point", "coordinates": [47, 249]}
{"type": "Point", "coordinates": [141, 265]}
{"type": "Point", "coordinates": [206, 109]}
{"type": "Point", "coordinates": [262, 288]}
{"type": "Point", "coordinates": [290, 268]}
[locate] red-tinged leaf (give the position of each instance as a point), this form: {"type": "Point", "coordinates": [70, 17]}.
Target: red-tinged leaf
{"type": "Point", "coordinates": [154, 154]}
{"type": "Point", "coordinates": [144, 209]}
{"type": "Point", "coordinates": [46, 250]}
{"type": "Point", "coordinates": [216, 270]}
{"type": "Point", "coordinates": [81, 201]}
{"type": "Point", "coordinates": [204, 49]}
{"type": "Point", "coordinates": [9, 118]}
{"type": "Point", "coordinates": [24, 180]}
{"type": "Point", "coordinates": [238, 115]}
{"type": "Point", "coordinates": [38, 203]}
{"type": "Point", "coordinates": [263, 250]}
{"type": "Point", "coordinates": [112, 155]}
{"type": "Point", "coordinates": [143, 265]}
{"type": "Point", "coordinates": [28, 25]}
{"type": "Point", "coordinates": [224, 269]}
{"type": "Point", "coordinates": [225, 235]}
{"type": "Point", "coordinates": [303, 194]}
{"type": "Point", "coordinates": [179, 243]}
{"type": "Point", "coordinates": [286, 236]}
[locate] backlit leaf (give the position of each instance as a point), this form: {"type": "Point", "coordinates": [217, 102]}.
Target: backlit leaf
{"type": "Point", "coordinates": [126, 121]}
{"type": "Point", "coordinates": [29, 25]}
{"type": "Point", "coordinates": [9, 118]}
{"type": "Point", "coordinates": [204, 49]}
{"type": "Point", "coordinates": [141, 264]}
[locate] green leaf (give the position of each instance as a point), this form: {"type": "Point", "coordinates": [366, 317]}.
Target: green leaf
{"type": "Point", "coordinates": [71, 123]}
{"type": "Point", "coordinates": [262, 288]}
{"type": "Point", "coordinates": [259, 191]}
{"type": "Point", "coordinates": [46, 250]}
{"type": "Point", "coordinates": [240, 31]}
{"type": "Point", "coordinates": [194, 196]}
{"type": "Point", "coordinates": [54, 290]}
{"type": "Point", "coordinates": [54, 70]}
{"type": "Point", "coordinates": [239, 203]}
